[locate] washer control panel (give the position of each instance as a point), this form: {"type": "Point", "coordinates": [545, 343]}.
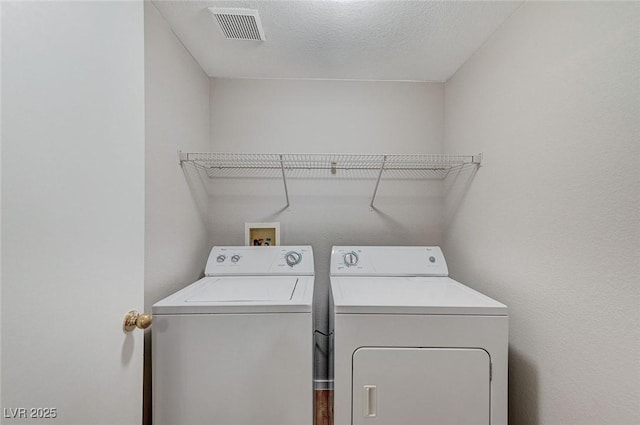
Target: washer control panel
{"type": "Point", "coordinates": [388, 261]}
{"type": "Point", "coordinates": [260, 260]}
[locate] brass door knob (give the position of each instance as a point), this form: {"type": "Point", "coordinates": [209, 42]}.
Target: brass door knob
{"type": "Point", "coordinates": [133, 320]}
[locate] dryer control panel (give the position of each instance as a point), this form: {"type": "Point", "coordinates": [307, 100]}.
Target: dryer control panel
{"type": "Point", "coordinates": [388, 261]}
{"type": "Point", "coordinates": [260, 260]}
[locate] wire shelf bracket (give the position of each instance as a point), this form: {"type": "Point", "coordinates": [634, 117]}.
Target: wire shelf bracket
{"type": "Point", "coordinates": [284, 180]}
{"type": "Point", "coordinates": [375, 190]}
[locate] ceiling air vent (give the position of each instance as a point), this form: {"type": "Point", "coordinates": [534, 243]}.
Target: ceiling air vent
{"type": "Point", "coordinates": [239, 24]}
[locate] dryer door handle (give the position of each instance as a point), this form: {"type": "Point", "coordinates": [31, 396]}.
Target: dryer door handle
{"type": "Point", "coordinates": [370, 401]}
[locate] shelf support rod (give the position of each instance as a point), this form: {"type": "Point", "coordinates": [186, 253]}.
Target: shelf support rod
{"type": "Point", "coordinates": [375, 190]}
{"type": "Point", "coordinates": [284, 180]}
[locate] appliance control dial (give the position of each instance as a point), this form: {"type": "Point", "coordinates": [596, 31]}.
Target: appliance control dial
{"type": "Point", "coordinates": [221, 258]}
{"type": "Point", "coordinates": [235, 258]}
{"type": "Point", "coordinates": [292, 258]}
{"type": "Point", "coordinates": [351, 259]}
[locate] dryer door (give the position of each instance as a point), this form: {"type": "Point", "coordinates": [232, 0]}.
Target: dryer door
{"type": "Point", "coordinates": [443, 386]}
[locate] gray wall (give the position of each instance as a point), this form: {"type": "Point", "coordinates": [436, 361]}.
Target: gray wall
{"type": "Point", "coordinates": [177, 117]}
{"type": "Point", "coordinates": [550, 224]}
{"type": "Point", "coordinates": [327, 116]}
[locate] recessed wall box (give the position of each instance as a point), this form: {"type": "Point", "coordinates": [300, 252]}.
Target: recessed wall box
{"type": "Point", "coordinates": [262, 234]}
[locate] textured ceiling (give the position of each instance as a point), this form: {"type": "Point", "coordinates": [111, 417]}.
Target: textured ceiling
{"type": "Point", "coordinates": [355, 40]}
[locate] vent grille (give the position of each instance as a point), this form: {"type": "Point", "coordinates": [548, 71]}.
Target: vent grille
{"type": "Point", "coordinates": [239, 24]}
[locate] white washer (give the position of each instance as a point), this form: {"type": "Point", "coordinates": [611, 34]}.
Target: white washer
{"type": "Point", "coordinates": [235, 347]}
{"type": "Point", "coordinates": [412, 346]}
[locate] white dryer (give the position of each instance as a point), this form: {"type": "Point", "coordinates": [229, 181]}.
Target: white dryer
{"type": "Point", "coordinates": [410, 345]}
{"type": "Point", "coordinates": [235, 347]}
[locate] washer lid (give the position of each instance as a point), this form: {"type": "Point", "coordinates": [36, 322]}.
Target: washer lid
{"type": "Point", "coordinates": [410, 295]}
{"type": "Point", "coordinates": [241, 294]}
{"type": "Point", "coordinates": [245, 289]}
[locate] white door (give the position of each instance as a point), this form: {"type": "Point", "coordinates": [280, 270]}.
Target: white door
{"type": "Point", "coordinates": [421, 386]}
{"type": "Point", "coordinates": [72, 211]}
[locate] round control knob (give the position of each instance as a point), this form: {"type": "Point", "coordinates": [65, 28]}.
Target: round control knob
{"type": "Point", "coordinates": [221, 258]}
{"type": "Point", "coordinates": [292, 258]}
{"type": "Point", "coordinates": [432, 259]}
{"type": "Point", "coordinates": [235, 258]}
{"type": "Point", "coordinates": [351, 259]}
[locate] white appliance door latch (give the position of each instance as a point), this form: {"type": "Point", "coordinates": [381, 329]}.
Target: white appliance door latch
{"type": "Point", "coordinates": [370, 401]}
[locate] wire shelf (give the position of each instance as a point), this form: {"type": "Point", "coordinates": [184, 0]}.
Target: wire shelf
{"type": "Point", "coordinates": [425, 166]}
{"type": "Point", "coordinates": [290, 161]}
